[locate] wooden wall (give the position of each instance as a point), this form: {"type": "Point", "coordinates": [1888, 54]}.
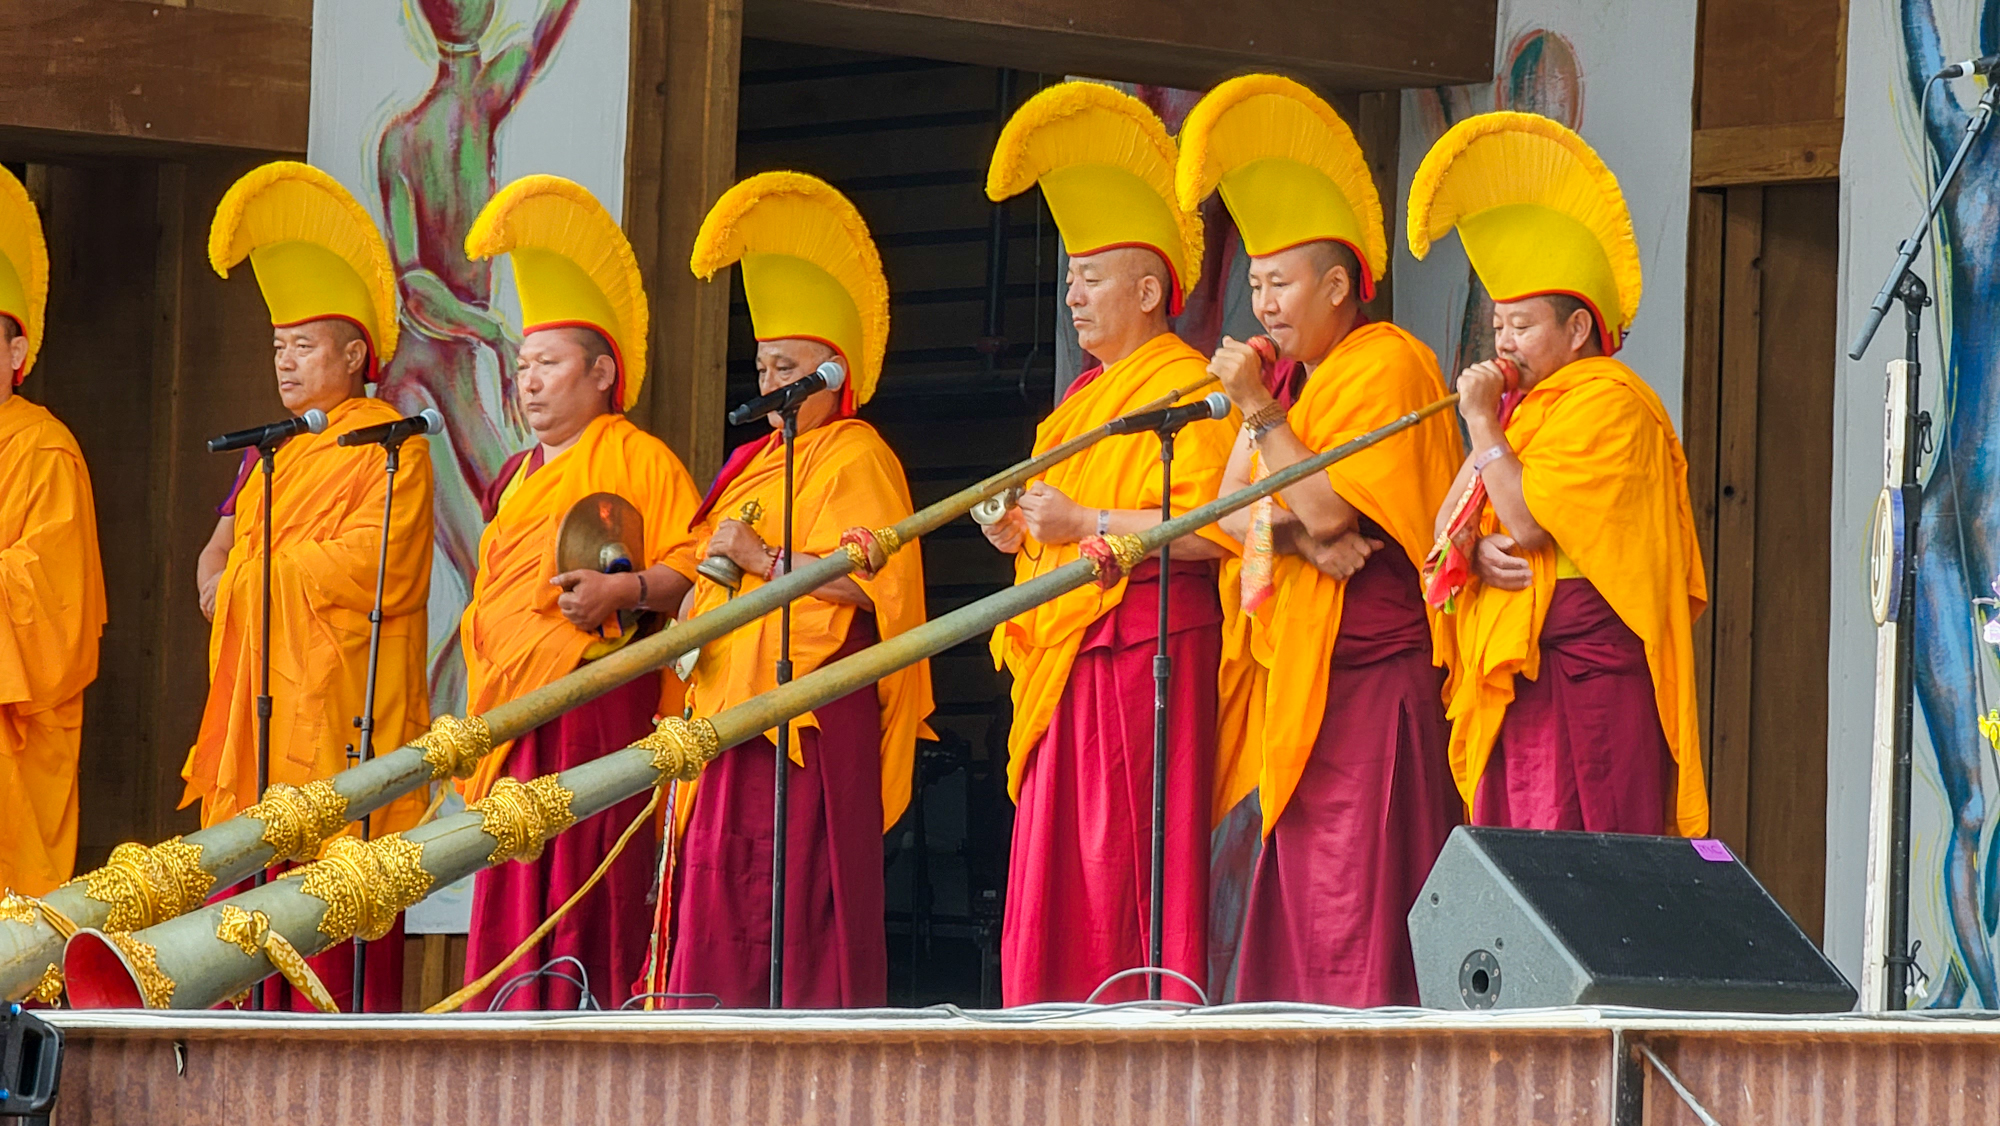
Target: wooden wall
{"type": "Point", "coordinates": [148, 353]}
{"type": "Point", "coordinates": [1764, 237]}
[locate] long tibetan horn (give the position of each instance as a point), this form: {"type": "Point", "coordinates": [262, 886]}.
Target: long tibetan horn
{"type": "Point", "coordinates": [142, 886]}
{"type": "Point", "coordinates": [217, 951]}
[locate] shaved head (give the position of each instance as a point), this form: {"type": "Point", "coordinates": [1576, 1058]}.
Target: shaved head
{"type": "Point", "coordinates": [1325, 254]}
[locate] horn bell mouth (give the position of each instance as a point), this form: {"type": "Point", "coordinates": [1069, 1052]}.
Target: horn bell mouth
{"type": "Point", "coordinates": [96, 974]}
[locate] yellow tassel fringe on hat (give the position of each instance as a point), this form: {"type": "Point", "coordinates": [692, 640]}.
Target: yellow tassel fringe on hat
{"type": "Point", "coordinates": [1106, 167]}
{"type": "Point", "coordinates": [316, 252]}
{"type": "Point", "coordinates": [573, 268]}
{"type": "Point", "coordinates": [1538, 212]}
{"type": "Point", "coordinates": [24, 267]}
{"type": "Point", "coordinates": [810, 270]}
{"type": "Point", "coordinates": [1289, 169]}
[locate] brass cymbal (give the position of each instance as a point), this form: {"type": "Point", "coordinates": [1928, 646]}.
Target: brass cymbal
{"type": "Point", "coordinates": [602, 532]}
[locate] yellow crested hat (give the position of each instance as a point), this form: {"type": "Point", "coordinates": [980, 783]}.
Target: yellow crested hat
{"type": "Point", "coordinates": [24, 266]}
{"type": "Point", "coordinates": [573, 268]}
{"type": "Point", "coordinates": [1538, 212]}
{"type": "Point", "coordinates": [1106, 166]}
{"type": "Point", "coordinates": [810, 271]}
{"type": "Point", "coordinates": [1289, 169]}
{"type": "Point", "coordinates": [315, 249]}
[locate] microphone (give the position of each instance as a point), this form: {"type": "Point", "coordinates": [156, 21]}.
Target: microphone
{"type": "Point", "coordinates": [1983, 67]}
{"type": "Point", "coordinates": [829, 377]}
{"type": "Point", "coordinates": [271, 433]}
{"type": "Point", "coordinates": [1216, 405]}
{"type": "Point", "coordinates": [426, 421]}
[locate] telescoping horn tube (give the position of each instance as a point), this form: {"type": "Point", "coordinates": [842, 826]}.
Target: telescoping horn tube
{"type": "Point", "coordinates": [143, 886]}
{"type": "Point", "coordinates": [219, 950]}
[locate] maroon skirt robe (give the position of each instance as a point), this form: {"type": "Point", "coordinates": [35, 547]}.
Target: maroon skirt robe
{"type": "Point", "coordinates": [1581, 746]}
{"type": "Point", "coordinates": [1079, 888]}
{"type": "Point", "coordinates": [607, 930]}
{"type": "Point", "coordinates": [836, 945]}
{"type": "Point", "coordinates": [1328, 907]}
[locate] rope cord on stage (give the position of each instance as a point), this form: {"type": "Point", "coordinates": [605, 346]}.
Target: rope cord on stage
{"type": "Point", "coordinates": [474, 988]}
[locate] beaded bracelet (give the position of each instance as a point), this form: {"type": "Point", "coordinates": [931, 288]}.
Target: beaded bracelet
{"type": "Point", "coordinates": [1265, 419]}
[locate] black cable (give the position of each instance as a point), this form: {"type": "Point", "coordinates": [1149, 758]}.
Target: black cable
{"type": "Point", "coordinates": [586, 1002]}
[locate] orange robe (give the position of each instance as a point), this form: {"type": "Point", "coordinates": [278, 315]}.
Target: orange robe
{"type": "Point", "coordinates": [325, 550]}
{"type": "Point", "coordinates": [514, 638]}
{"type": "Point", "coordinates": [52, 586]}
{"type": "Point", "coordinates": [1376, 374]}
{"type": "Point", "coordinates": [845, 477]}
{"type": "Point", "coordinates": [1604, 475]}
{"type": "Point", "coordinates": [1122, 472]}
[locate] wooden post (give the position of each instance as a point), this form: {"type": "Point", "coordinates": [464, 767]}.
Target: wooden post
{"type": "Point", "coordinates": [680, 154]}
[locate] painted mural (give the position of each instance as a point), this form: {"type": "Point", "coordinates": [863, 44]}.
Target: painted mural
{"type": "Point", "coordinates": [484, 91]}
{"type": "Point", "coordinates": [1957, 860]}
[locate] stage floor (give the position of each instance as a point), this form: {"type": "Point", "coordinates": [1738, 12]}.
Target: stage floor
{"type": "Point", "coordinates": [1234, 1064]}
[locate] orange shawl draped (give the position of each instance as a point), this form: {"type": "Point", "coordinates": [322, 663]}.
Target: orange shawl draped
{"type": "Point", "coordinates": [1122, 472]}
{"type": "Point", "coordinates": [1605, 476]}
{"type": "Point", "coordinates": [1375, 374]}
{"type": "Point", "coordinates": [325, 548]}
{"type": "Point", "coordinates": [52, 589]}
{"type": "Point", "coordinates": [514, 638]}
{"type": "Point", "coordinates": [845, 477]}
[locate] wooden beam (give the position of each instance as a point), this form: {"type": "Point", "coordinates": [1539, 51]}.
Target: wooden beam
{"type": "Point", "coordinates": [1335, 44]}
{"type": "Point", "coordinates": [1767, 154]}
{"type": "Point", "coordinates": [151, 76]}
{"type": "Point", "coordinates": [680, 156]}
{"type": "Point", "coordinates": [1732, 585]}
{"type": "Point", "coordinates": [1700, 429]}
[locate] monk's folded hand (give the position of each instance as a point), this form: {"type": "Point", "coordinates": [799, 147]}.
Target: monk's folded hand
{"type": "Point", "coordinates": [1494, 561]}
{"type": "Point", "coordinates": [590, 598]}
{"type": "Point", "coordinates": [1007, 533]}
{"type": "Point", "coordinates": [1242, 374]}
{"type": "Point", "coordinates": [1339, 557]}
{"type": "Point", "coordinates": [1052, 517]}
{"type": "Point", "coordinates": [741, 543]}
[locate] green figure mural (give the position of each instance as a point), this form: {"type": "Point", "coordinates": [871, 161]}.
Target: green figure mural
{"type": "Point", "coordinates": [436, 167]}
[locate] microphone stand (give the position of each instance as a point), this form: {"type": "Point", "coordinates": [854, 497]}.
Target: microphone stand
{"type": "Point", "coordinates": [267, 460]}
{"type": "Point", "coordinates": [366, 720]}
{"type": "Point", "coordinates": [1905, 286]}
{"type": "Point", "coordinates": [780, 822]}
{"type": "Point", "coordinates": [1163, 671]}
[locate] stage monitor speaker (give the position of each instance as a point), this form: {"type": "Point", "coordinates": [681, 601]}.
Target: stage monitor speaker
{"type": "Point", "coordinates": [1521, 918]}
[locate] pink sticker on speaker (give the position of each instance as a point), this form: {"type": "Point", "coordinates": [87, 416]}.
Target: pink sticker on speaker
{"type": "Point", "coordinates": [1713, 850]}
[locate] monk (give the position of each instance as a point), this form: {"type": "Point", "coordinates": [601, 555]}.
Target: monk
{"type": "Point", "coordinates": [1588, 469]}
{"type": "Point", "coordinates": [1356, 794]}
{"type": "Point", "coordinates": [1343, 726]}
{"type": "Point", "coordinates": [325, 548]}
{"type": "Point", "coordinates": [852, 759]}
{"type": "Point", "coordinates": [52, 585]}
{"type": "Point", "coordinates": [1566, 558]}
{"type": "Point", "coordinates": [1081, 750]}
{"type": "Point", "coordinates": [326, 542]}
{"type": "Point", "coordinates": [527, 626]}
